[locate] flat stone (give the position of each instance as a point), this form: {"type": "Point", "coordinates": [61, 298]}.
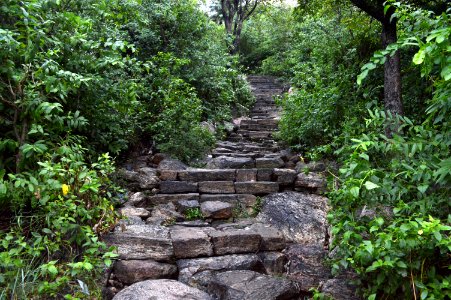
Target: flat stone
{"type": "Point", "coordinates": [235, 241]}
{"type": "Point", "coordinates": [246, 175]}
{"type": "Point", "coordinates": [245, 199]}
{"type": "Point", "coordinates": [272, 238]}
{"type": "Point", "coordinates": [164, 214]}
{"type": "Point", "coordinates": [249, 285]}
{"type": "Point", "coordinates": [300, 216]}
{"type": "Point", "coordinates": [269, 162]}
{"type": "Point", "coordinates": [190, 268]}
{"type": "Point", "coordinates": [216, 209]}
{"type": "Point", "coordinates": [161, 289]}
{"type": "Point", "coordinates": [184, 205]}
{"type": "Point", "coordinates": [190, 242]}
{"type": "Point", "coordinates": [339, 289]}
{"type": "Point", "coordinates": [310, 181]}
{"type": "Point", "coordinates": [131, 271]}
{"type": "Point", "coordinates": [142, 242]}
{"type": "Point", "coordinates": [217, 187]}
{"type": "Point", "coordinates": [207, 175]}
{"type": "Point", "coordinates": [176, 187]}
{"type": "Point", "coordinates": [256, 188]}
{"type": "Point", "coordinates": [264, 174]}
{"type": "Point", "coordinates": [130, 220]}
{"type": "Point", "coordinates": [285, 176]}
{"type": "Point", "coordinates": [129, 211]}
{"type": "Point", "coordinates": [137, 199]}
{"type": "Point", "coordinates": [167, 174]}
{"type": "Point", "coordinates": [168, 198]}
{"type": "Point", "coordinates": [224, 162]}
{"type": "Point", "coordinates": [275, 263]}
{"type": "Point", "coordinates": [171, 164]}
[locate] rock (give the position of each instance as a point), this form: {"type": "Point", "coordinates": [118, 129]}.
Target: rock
{"type": "Point", "coordinates": [275, 263]}
{"type": "Point", "coordinates": [264, 174]}
{"type": "Point", "coordinates": [197, 175]}
{"type": "Point", "coordinates": [158, 158]}
{"type": "Point", "coordinates": [164, 214]}
{"type": "Point", "coordinates": [225, 162]}
{"type": "Point", "coordinates": [131, 271]}
{"type": "Point", "coordinates": [171, 164]}
{"type": "Point", "coordinates": [246, 175]}
{"type": "Point", "coordinates": [235, 241]}
{"type": "Point", "coordinates": [300, 216]}
{"type": "Point", "coordinates": [148, 172]}
{"type": "Point", "coordinates": [190, 242]}
{"type": "Point", "coordinates": [137, 199]}
{"type": "Point", "coordinates": [285, 176]}
{"type": "Point", "coordinates": [167, 175]}
{"type": "Point", "coordinates": [142, 242]}
{"type": "Point", "coordinates": [256, 188]}
{"type": "Point", "coordinates": [245, 199]}
{"type": "Point", "coordinates": [316, 166]}
{"type": "Point", "coordinates": [169, 198]}
{"type": "Point", "coordinates": [372, 213]}
{"type": "Point", "coordinates": [272, 239]}
{"type": "Point", "coordinates": [130, 220]}
{"type": "Point", "coordinates": [249, 285]}
{"type": "Point", "coordinates": [339, 289]}
{"type": "Point", "coordinates": [269, 162]}
{"type": "Point", "coordinates": [307, 265]}
{"type": "Point", "coordinates": [310, 181]}
{"type": "Point", "coordinates": [216, 209]}
{"type": "Point", "coordinates": [129, 211]}
{"type": "Point", "coordinates": [190, 268]}
{"type": "Point", "coordinates": [208, 126]}
{"type": "Point", "coordinates": [184, 205]}
{"type": "Point", "coordinates": [217, 187]}
{"type": "Point", "coordinates": [177, 187]}
{"type": "Point", "coordinates": [161, 289]}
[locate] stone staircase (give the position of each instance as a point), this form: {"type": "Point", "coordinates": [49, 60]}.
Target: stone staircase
{"type": "Point", "coordinates": [248, 226]}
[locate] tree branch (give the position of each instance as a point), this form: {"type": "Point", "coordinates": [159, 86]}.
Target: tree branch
{"type": "Point", "coordinates": [375, 10]}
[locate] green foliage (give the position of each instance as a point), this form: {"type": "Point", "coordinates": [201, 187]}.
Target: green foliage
{"type": "Point", "coordinates": [193, 214]}
{"type": "Point", "coordinates": [57, 250]}
{"type": "Point", "coordinates": [403, 250]}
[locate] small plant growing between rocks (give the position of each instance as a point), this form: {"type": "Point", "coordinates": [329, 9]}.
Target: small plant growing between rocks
{"type": "Point", "coordinates": [257, 207]}
{"type": "Point", "coordinates": [193, 214]}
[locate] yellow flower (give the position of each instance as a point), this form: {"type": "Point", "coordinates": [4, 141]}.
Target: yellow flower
{"type": "Point", "coordinates": [420, 232]}
{"type": "Point", "coordinates": [65, 189]}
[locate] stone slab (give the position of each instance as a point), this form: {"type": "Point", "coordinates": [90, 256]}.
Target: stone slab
{"type": "Point", "coordinates": [207, 175]}
{"type": "Point", "coordinates": [256, 188]}
{"type": "Point", "coordinates": [189, 242]}
{"type": "Point", "coordinates": [217, 187]}
{"type": "Point", "coordinates": [177, 187]}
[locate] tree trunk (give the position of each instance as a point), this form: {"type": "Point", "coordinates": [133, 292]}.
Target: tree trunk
{"type": "Point", "coordinates": [392, 71]}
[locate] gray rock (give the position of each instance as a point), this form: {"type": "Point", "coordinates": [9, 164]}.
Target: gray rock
{"type": "Point", "coordinates": [216, 209]}
{"type": "Point", "coordinates": [137, 199]}
{"type": "Point", "coordinates": [161, 289]}
{"type": "Point", "coordinates": [249, 285]}
{"type": "Point", "coordinates": [307, 265]}
{"type": "Point", "coordinates": [310, 181]}
{"type": "Point", "coordinates": [275, 263]}
{"type": "Point", "coordinates": [285, 176]}
{"type": "Point", "coordinates": [272, 239]}
{"type": "Point", "coordinates": [246, 175]}
{"type": "Point", "coordinates": [197, 175]}
{"type": "Point", "coordinates": [164, 214]}
{"type": "Point", "coordinates": [372, 213]}
{"type": "Point", "coordinates": [190, 268]}
{"type": "Point", "coordinates": [142, 242]}
{"type": "Point", "coordinates": [129, 211]}
{"type": "Point", "coordinates": [147, 178]}
{"type": "Point", "coordinates": [169, 198]}
{"type": "Point", "coordinates": [171, 164]}
{"type": "Point", "coordinates": [247, 200]}
{"type": "Point", "coordinates": [300, 216]}
{"type": "Point", "coordinates": [256, 188]}
{"type": "Point", "coordinates": [339, 289]}
{"type": "Point", "coordinates": [184, 205]}
{"type": "Point", "coordinates": [264, 174]}
{"type": "Point", "coordinates": [131, 271]}
{"type": "Point", "coordinates": [235, 241]}
{"type": "Point", "coordinates": [190, 242]}
{"type": "Point", "coordinates": [225, 162]}
{"type": "Point", "coordinates": [316, 166]}
{"type": "Point", "coordinates": [269, 162]}
{"type": "Point", "coordinates": [177, 187]}
{"type": "Point", "coordinates": [167, 174]}
{"type": "Point", "coordinates": [130, 220]}
{"type": "Point", "coordinates": [217, 187]}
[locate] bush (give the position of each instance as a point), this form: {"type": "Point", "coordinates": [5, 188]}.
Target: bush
{"type": "Point", "coordinates": [56, 249]}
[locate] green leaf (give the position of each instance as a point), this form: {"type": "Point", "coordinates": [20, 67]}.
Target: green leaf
{"type": "Point", "coordinates": [423, 188]}
{"type": "Point", "coordinates": [370, 185]}
{"type": "Point", "coordinates": [355, 191]}
{"type": "Point", "coordinates": [52, 270]}
{"type": "Point", "coordinates": [418, 58]}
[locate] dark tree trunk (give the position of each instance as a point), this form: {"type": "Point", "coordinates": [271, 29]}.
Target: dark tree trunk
{"type": "Point", "coordinates": [392, 72]}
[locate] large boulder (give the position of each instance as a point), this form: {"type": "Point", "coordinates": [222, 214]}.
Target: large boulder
{"type": "Point", "coordinates": [249, 285]}
{"type": "Point", "coordinates": [300, 216]}
{"type": "Point", "coordinates": [225, 162]}
{"type": "Point", "coordinates": [131, 271]}
{"type": "Point", "coordinates": [162, 289]}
